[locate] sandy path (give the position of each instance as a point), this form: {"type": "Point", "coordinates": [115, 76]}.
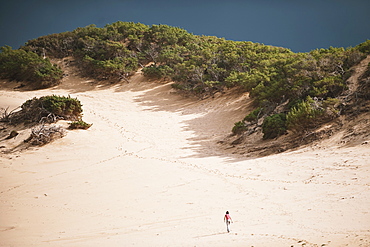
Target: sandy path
{"type": "Point", "coordinates": [145, 175]}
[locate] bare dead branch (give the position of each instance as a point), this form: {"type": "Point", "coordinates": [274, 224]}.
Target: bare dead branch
{"type": "Point", "coordinates": [43, 134]}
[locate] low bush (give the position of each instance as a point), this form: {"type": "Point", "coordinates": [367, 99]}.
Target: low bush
{"type": "Point", "coordinates": [47, 109]}
{"type": "Point", "coordinates": [274, 126]}
{"type": "Point", "coordinates": [254, 115]}
{"type": "Point", "coordinates": [79, 125]}
{"type": "Point", "coordinates": [304, 115]}
{"type": "Point", "coordinates": [239, 128]}
{"type": "Point", "coordinates": [66, 107]}
{"type": "Point", "coordinates": [364, 47]}
{"type": "Point", "coordinates": [157, 72]}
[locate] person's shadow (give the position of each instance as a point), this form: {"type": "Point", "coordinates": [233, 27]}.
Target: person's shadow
{"type": "Point", "coordinates": [213, 234]}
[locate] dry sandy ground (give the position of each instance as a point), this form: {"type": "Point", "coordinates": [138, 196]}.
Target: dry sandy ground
{"type": "Point", "coordinates": [149, 173]}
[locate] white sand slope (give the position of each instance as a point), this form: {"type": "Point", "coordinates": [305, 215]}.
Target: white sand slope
{"type": "Point", "coordinates": [149, 173]}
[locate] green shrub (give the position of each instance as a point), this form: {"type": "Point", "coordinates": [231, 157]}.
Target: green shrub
{"type": "Point", "coordinates": [330, 106]}
{"type": "Point", "coordinates": [304, 115]}
{"type": "Point", "coordinates": [330, 86]}
{"type": "Point", "coordinates": [157, 72]}
{"type": "Point", "coordinates": [62, 106]}
{"type": "Point", "coordinates": [27, 66]}
{"type": "Point", "coordinates": [239, 127]}
{"type": "Point", "coordinates": [79, 125]}
{"type": "Point", "coordinates": [48, 109]}
{"type": "Point", "coordinates": [364, 47]}
{"type": "Point", "coordinates": [254, 115]}
{"type": "Point", "coordinates": [178, 86]}
{"type": "Point", "coordinates": [274, 126]}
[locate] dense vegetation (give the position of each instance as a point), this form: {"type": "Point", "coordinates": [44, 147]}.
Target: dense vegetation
{"type": "Point", "coordinates": [307, 85]}
{"type": "Point", "coordinates": [27, 66]}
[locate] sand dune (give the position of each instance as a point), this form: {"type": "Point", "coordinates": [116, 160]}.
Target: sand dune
{"type": "Point", "coordinates": [149, 173]}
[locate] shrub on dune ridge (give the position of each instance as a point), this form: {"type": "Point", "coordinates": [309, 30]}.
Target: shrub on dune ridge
{"type": "Point", "coordinates": [203, 64]}
{"type": "Point", "coordinates": [27, 66]}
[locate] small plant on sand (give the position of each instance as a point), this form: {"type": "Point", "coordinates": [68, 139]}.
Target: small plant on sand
{"type": "Point", "coordinates": [239, 127]}
{"type": "Point", "coordinates": [79, 125]}
{"type": "Point", "coordinates": [254, 115]}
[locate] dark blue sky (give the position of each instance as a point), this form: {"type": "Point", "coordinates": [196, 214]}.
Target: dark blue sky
{"type": "Point", "coordinates": [301, 25]}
